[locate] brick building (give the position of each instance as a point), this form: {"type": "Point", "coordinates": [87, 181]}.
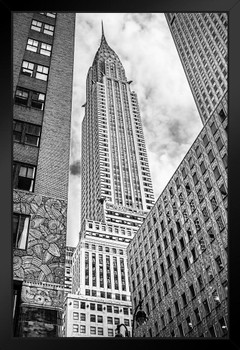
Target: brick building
{"type": "Point", "coordinates": [43, 51]}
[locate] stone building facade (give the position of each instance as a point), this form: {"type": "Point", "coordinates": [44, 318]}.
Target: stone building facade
{"type": "Point", "coordinates": [201, 40]}
{"type": "Point", "coordinates": [43, 51]}
{"type": "Point", "coordinates": [179, 257]}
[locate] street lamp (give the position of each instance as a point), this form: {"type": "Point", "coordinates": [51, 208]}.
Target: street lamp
{"type": "Point", "coordinates": [140, 316]}
{"type": "Point", "coordinates": [119, 334]}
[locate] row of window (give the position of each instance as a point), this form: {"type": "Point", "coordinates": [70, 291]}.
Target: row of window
{"type": "Point", "coordinates": [93, 330]}
{"type": "Point", "coordinates": [101, 307]}
{"type": "Point", "coordinates": [98, 318]}
{"type": "Point", "coordinates": [100, 248]}
{"type": "Point", "coordinates": [29, 98]}
{"type": "Point", "coordinates": [26, 133]}
{"type": "Point", "coordinates": [182, 331]}
{"type": "Point", "coordinates": [34, 70]}
{"type": "Point", "coordinates": [42, 27]}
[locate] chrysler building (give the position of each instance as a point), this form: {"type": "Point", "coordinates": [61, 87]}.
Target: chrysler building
{"type": "Point", "coordinates": [117, 195]}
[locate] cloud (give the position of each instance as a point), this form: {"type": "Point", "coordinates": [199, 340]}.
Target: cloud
{"type": "Point", "coordinates": [75, 168]}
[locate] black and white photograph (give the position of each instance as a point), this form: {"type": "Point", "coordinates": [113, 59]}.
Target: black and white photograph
{"type": "Point", "coordinates": [120, 175]}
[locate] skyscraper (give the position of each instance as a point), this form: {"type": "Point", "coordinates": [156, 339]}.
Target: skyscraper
{"type": "Point", "coordinates": [116, 196]}
{"type": "Point", "coordinates": [43, 51]}
{"type": "Point", "coordinates": [180, 253]}
{"type": "Point", "coordinates": [114, 161]}
{"type": "Point", "coordinates": [201, 41]}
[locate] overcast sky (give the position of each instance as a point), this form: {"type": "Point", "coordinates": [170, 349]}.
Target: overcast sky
{"type": "Point", "coordinates": [170, 118]}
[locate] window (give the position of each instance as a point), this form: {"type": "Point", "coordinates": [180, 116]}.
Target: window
{"type": "Point", "coordinates": [189, 232]}
{"type": "Point", "coordinates": [179, 272]}
{"type": "Point", "coordinates": [176, 307]}
{"type": "Point", "coordinates": [172, 280]}
{"type": "Point", "coordinates": [198, 151]}
{"type": "Point", "coordinates": [213, 128]}
{"type": "Point", "coordinates": [180, 330]}
{"type": "Point", "coordinates": [29, 98]}
{"type": "Point", "coordinates": [205, 214]}
{"type": "Point", "coordinates": [162, 268]}
{"type": "Point", "coordinates": [153, 302]}
{"type": "Point", "coordinates": [36, 25]}
{"type": "Point", "coordinates": [220, 223]}
{"type": "Point", "coordinates": [27, 68]}
{"type": "Point", "coordinates": [45, 49]}
{"type": "Point", "coordinates": [225, 161]}
{"type": "Point", "coordinates": [184, 299]}
{"type": "Point", "coordinates": [34, 70]}
{"type": "Point", "coordinates": [82, 329]}
{"type": "Point", "coordinates": [110, 320]}
{"type": "Point", "coordinates": [212, 331]}
{"type": "Point", "coordinates": [219, 144]}
{"type": "Point", "coordinates": [49, 14]}
{"type": "Point", "coordinates": [23, 176]}
{"type": "Point", "coordinates": [82, 305]}
{"type": "Point", "coordinates": [165, 288]}
{"type": "Point", "coordinates": [216, 173]}
{"type": "Point", "coordinates": [168, 260]}
{"type": "Point", "coordinates": [169, 314]}
{"type": "Point", "coordinates": [186, 263]}
{"type": "Point", "coordinates": [92, 306]}
{"type": "Point", "coordinates": [157, 233]}
{"type": "Point", "coordinates": [205, 140]}
{"type": "Point", "coordinates": [197, 315]}
{"type": "Point", "coordinates": [20, 230]}
{"type": "Point", "coordinates": [178, 226]}
{"type": "Point", "coordinates": [92, 330]}
{"type": "Point", "coordinates": [99, 307]}
{"type": "Point", "coordinates": [175, 252]}
{"type": "Point", "coordinates": [100, 331]}
{"type": "Point", "coordinates": [42, 27]}
{"type": "Point", "coordinates": [39, 47]}
{"type": "Point", "coordinates": [76, 316]}
{"type": "Point", "coordinates": [156, 276]}
{"type": "Point", "coordinates": [211, 156]}
{"type": "Point", "coordinates": [219, 263]}
{"type": "Point", "coordinates": [192, 291]}
{"type": "Point", "coordinates": [203, 168]}
{"type": "Point", "coordinates": [189, 323]}
{"type": "Point", "coordinates": [197, 224]}
{"type": "Point", "coordinates": [171, 234]}
{"type": "Point", "coordinates": [165, 242]}
{"type": "Point", "coordinates": [26, 133]}
{"type": "Point", "coordinates": [100, 319]}
{"type": "Point", "coordinates": [163, 321]}
{"type": "Point", "coordinates": [195, 179]}
{"type": "Point", "coordinates": [181, 240]}
{"type": "Point", "coordinates": [194, 256]}
{"type": "Point", "coordinates": [216, 297]}
{"type": "Point", "coordinates": [83, 317]}
{"type": "Point", "coordinates": [75, 328]}
{"type": "Point", "coordinates": [116, 309]}
{"type": "Point", "coordinates": [92, 318]}
{"type": "Point", "coordinates": [223, 325]}
{"type": "Point", "coordinates": [110, 332]}
{"type": "Point", "coordinates": [206, 306]}
{"type": "Point", "coordinates": [116, 320]}
{"type": "Point", "coordinates": [208, 184]}
{"type": "Point", "coordinates": [223, 191]}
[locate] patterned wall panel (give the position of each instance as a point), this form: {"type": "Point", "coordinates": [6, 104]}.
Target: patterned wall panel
{"type": "Point", "coordinates": [44, 258]}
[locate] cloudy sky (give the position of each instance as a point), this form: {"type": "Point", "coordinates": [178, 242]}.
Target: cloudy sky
{"type": "Point", "coordinates": [170, 118]}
